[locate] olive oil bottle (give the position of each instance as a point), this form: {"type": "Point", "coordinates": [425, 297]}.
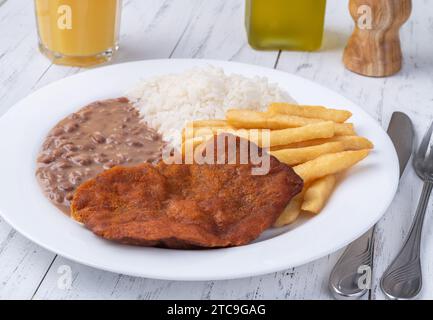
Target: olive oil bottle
{"type": "Point", "coordinates": [285, 24]}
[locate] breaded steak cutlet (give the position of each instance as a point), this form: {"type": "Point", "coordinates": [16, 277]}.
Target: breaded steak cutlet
{"type": "Point", "coordinates": [185, 205]}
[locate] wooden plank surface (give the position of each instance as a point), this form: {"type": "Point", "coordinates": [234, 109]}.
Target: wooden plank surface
{"type": "Point", "coordinates": [214, 30]}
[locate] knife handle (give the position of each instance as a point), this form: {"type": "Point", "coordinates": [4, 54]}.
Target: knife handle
{"type": "Point", "coordinates": [351, 276]}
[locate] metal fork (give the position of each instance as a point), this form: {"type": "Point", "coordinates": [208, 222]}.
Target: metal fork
{"type": "Point", "coordinates": [403, 278]}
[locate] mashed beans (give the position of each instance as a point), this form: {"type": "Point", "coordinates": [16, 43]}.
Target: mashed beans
{"type": "Point", "coordinates": [97, 137]}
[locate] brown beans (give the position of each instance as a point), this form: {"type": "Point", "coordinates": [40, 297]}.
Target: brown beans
{"type": "Point", "coordinates": [114, 139]}
{"type": "Point", "coordinates": [88, 147]}
{"type": "Point", "coordinates": [120, 157]}
{"type": "Point", "coordinates": [71, 127]}
{"type": "Point", "coordinates": [81, 160]}
{"type": "Point", "coordinates": [136, 144]}
{"type": "Point", "coordinates": [70, 147]}
{"type": "Point", "coordinates": [57, 132]}
{"type": "Point", "coordinates": [153, 158]}
{"type": "Point", "coordinates": [108, 165]}
{"type": "Point", "coordinates": [137, 131]}
{"type": "Point", "coordinates": [57, 197]}
{"type": "Point", "coordinates": [100, 158]}
{"type": "Point", "coordinates": [59, 142]}
{"type": "Point", "coordinates": [61, 164]}
{"type": "Point", "coordinates": [97, 137]}
{"type": "Point", "coordinates": [75, 177]}
{"type": "Point", "coordinates": [69, 196]}
{"type": "Point", "coordinates": [151, 136]}
{"type": "Point", "coordinates": [66, 186]}
{"type": "Point", "coordinates": [46, 158]}
{"type": "Point", "coordinates": [109, 147]}
{"type": "Point", "coordinates": [44, 174]}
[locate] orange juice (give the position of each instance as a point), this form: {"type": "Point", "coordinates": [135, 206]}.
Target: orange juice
{"type": "Point", "coordinates": [78, 32]}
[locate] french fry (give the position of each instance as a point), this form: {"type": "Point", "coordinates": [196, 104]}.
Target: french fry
{"type": "Point", "coordinates": [276, 137]}
{"type": "Point", "coordinates": [255, 136]}
{"type": "Point", "coordinates": [329, 164]}
{"type": "Point", "coordinates": [317, 112]}
{"type": "Point", "coordinates": [249, 119]}
{"type": "Point", "coordinates": [355, 142]}
{"type": "Point", "coordinates": [350, 143]}
{"type": "Point", "coordinates": [243, 133]}
{"type": "Point", "coordinates": [286, 138]}
{"type": "Point", "coordinates": [192, 143]}
{"type": "Point", "coordinates": [209, 123]}
{"type": "Point", "coordinates": [296, 156]}
{"type": "Point", "coordinates": [344, 129]}
{"type": "Point", "coordinates": [291, 212]}
{"type": "Point", "coordinates": [318, 193]}
{"type": "Point", "coordinates": [204, 131]}
{"type": "Point", "coordinates": [308, 132]}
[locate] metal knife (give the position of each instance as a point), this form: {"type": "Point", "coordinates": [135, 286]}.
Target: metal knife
{"type": "Point", "coordinates": [345, 281]}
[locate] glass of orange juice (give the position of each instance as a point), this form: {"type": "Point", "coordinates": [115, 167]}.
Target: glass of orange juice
{"type": "Point", "coordinates": [78, 32]}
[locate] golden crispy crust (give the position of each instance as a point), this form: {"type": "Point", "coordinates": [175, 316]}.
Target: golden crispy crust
{"type": "Point", "coordinates": [185, 206]}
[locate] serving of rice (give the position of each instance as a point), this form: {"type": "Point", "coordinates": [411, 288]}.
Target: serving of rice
{"type": "Point", "coordinates": [168, 102]}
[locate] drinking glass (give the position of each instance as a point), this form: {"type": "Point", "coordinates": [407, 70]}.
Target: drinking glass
{"type": "Point", "coordinates": [78, 32]}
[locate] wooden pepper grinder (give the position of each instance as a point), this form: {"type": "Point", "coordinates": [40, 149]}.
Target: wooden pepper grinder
{"type": "Point", "coordinates": [374, 48]}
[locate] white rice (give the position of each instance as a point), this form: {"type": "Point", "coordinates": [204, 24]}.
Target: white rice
{"type": "Point", "coordinates": [168, 102]}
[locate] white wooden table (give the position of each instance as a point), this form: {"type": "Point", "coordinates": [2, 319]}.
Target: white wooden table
{"type": "Point", "coordinates": [214, 29]}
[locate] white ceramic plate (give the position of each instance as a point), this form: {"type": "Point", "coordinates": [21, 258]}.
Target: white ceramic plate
{"type": "Point", "coordinates": [361, 198]}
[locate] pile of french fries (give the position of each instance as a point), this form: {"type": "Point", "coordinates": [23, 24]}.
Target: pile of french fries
{"type": "Point", "coordinates": [316, 141]}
